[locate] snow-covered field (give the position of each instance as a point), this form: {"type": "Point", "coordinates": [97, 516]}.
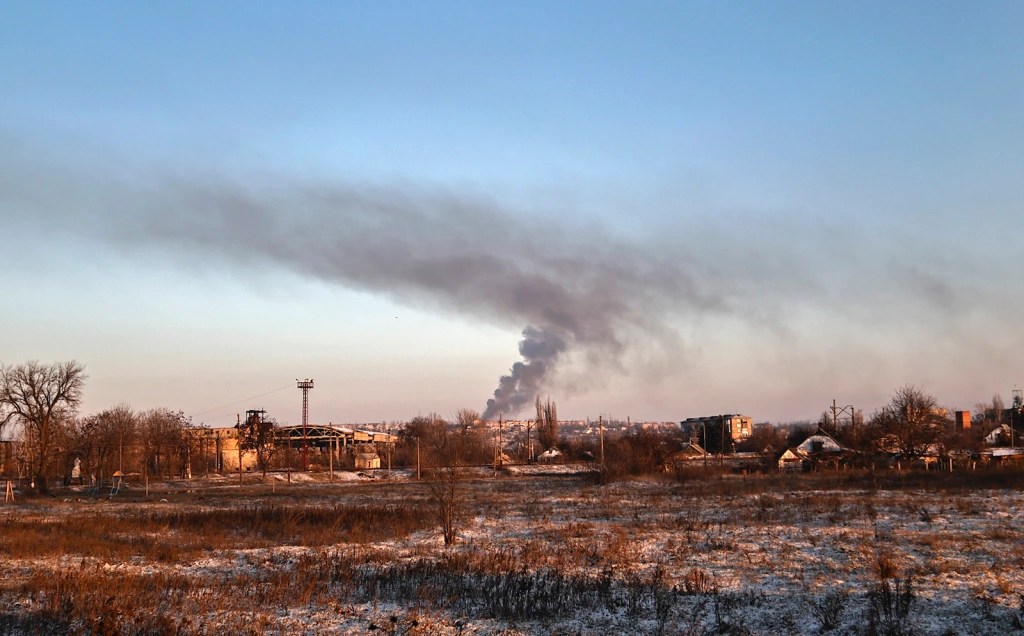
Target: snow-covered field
{"type": "Point", "coordinates": [535, 555]}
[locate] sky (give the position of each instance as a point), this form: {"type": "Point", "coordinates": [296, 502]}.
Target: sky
{"type": "Point", "coordinates": [658, 210]}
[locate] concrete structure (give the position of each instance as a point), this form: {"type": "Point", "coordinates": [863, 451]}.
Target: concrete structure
{"type": "Point", "coordinates": [737, 427]}
{"type": "Point", "coordinates": [218, 452]}
{"type": "Point", "coordinates": [218, 447]}
{"type": "Point", "coordinates": [366, 457]}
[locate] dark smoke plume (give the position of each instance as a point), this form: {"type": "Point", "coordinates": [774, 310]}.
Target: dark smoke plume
{"type": "Point", "coordinates": [586, 297]}
{"type": "Point", "coordinates": [540, 351]}
{"type": "Point", "coordinates": [593, 303]}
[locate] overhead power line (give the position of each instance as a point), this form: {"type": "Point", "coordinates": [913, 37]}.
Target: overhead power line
{"type": "Point", "coordinates": [247, 399]}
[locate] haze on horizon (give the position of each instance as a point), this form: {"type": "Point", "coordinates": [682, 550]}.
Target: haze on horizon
{"type": "Point", "coordinates": [680, 208]}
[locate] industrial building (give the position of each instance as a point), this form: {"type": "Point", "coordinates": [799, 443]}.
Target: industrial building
{"type": "Point", "coordinates": [293, 447]}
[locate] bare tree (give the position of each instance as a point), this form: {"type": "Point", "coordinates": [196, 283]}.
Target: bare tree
{"type": "Point", "coordinates": [163, 436]}
{"type": "Point", "coordinates": [474, 444]}
{"type": "Point", "coordinates": [445, 486]}
{"type": "Point", "coordinates": [40, 397]}
{"type": "Point", "coordinates": [446, 452]}
{"type": "Point", "coordinates": [911, 422]}
{"type": "Point", "coordinates": [467, 419]}
{"type": "Point", "coordinates": [103, 441]}
{"type": "Point", "coordinates": [425, 433]}
{"type": "Point", "coordinates": [466, 440]}
{"type": "Point", "coordinates": [547, 423]}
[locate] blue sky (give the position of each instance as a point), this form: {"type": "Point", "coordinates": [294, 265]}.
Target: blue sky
{"type": "Point", "coordinates": [752, 207]}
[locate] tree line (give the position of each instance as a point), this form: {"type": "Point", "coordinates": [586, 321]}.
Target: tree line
{"type": "Point", "coordinates": [40, 401]}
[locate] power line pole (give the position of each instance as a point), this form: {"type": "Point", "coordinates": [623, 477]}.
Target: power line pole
{"type": "Point", "coordinates": [842, 410]}
{"type": "Point", "coordinates": [529, 442]}
{"type": "Point", "coordinates": [305, 386]}
{"type": "Point", "coordinates": [238, 426]}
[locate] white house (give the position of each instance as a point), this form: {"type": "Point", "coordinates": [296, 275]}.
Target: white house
{"type": "Point", "coordinates": [793, 459]}
{"type": "Point", "coordinates": [819, 443]}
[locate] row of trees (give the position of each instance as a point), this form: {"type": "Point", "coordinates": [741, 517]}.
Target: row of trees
{"type": "Point", "coordinates": [40, 402]}
{"type": "Point", "coordinates": [433, 441]}
{"type": "Point", "coordinates": [912, 425]}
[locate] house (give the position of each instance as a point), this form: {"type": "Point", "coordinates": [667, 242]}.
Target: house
{"type": "Point", "coordinates": [819, 442]}
{"type": "Point", "coordinates": [550, 455]}
{"type": "Point", "coordinates": [816, 450]}
{"type": "Point", "coordinates": [793, 459]}
{"type": "Point", "coordinates": [693, 452]}
{"type": "Point", "coordinates": [1002, 435]}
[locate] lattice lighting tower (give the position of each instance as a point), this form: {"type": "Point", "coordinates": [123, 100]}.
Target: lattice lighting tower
{"type": "Point", "coordinates": [305, 385]}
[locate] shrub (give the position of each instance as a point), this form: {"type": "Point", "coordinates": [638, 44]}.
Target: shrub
{"type": "Point", "coordinates": [889, 607]}
{"type": "Point", "coordinates": [828, 609]}
{"type": "Point", "coordinates": [698, 581]}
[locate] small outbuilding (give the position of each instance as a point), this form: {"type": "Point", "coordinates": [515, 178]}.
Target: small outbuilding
{"type": "Point", "coordinates": [366, 457]}
{"type": "Point", "coordinates": [793, 459]}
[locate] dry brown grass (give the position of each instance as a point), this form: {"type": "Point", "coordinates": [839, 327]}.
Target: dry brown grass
{"type": "Point", "coordinates": [651, 554]}
{"type": "Point", "coordinates": [173, 534]}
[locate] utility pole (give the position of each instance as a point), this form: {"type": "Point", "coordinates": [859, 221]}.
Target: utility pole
{"type": "Point", "coordinates": [529, 443]}
{"type": "Point", "coordinates": [238, 427]}
{"type": "Point", "coordinates": [1015, 410]}
{"type": "Point", "coordinates": [305, 386]}
{"type": "Point", "coordinates": [501, 460]}
{"type": "Point", "coordinates": [600, 428]}
{"type": "Point", "coordinates": [721, 449]}
{"type": "Point", "coordinates": [837, 411]}
{"type": "Point", "coordinates": [705, 445]}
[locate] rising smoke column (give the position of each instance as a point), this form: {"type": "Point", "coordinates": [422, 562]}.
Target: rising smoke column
{"type": "Point", "coordinates": [620, 301]}
{"type": "Point", "coordinates": [578, 289]}
{"type": "Point", "coordinates": [540, 350]}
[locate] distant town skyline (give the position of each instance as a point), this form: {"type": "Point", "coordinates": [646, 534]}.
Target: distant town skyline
{"type": "Point", "coordinates": [656, 210]}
